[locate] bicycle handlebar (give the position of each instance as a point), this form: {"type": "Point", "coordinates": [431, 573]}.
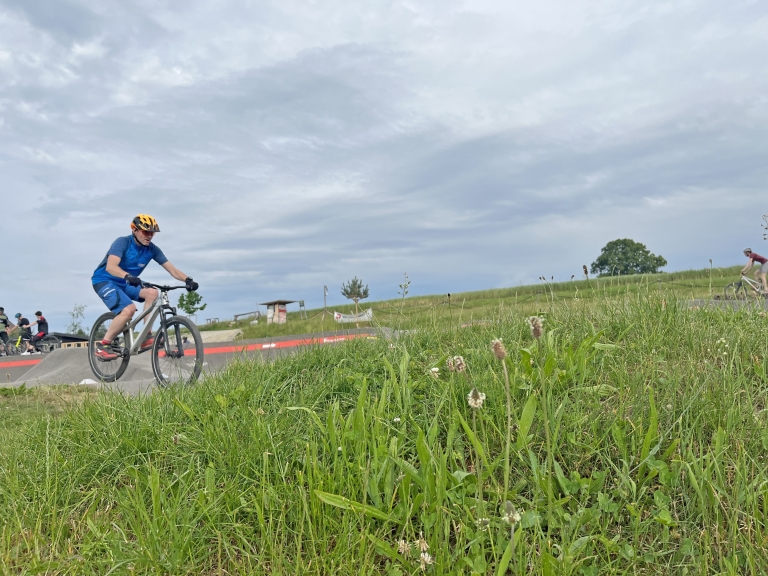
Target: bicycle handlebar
{"type": "Point", "coordinates": [161, 287]}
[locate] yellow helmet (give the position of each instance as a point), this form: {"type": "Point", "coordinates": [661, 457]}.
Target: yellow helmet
{"type": "Point", "coordinates": [145, 222]}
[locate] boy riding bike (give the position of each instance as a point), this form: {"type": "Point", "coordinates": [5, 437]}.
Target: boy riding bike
{"type": "Point", "coordinates": [116, 279]}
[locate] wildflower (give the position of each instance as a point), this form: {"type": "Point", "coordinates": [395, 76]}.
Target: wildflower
{"type": "Point", "coordinates": [175, 438]}
{"type": "Point", "coordinates": [421, 544]}
{"type": "Point", "coordinates": [456, 364]}
{"type": "Point", "coordinates": [425, 559]}
{"type": "Point", "coordinates": [435, 372]}
{"type": "Point", "coordinates": [537, 328]}
{"type": "Point", "coordinates": [339, 448]}
{"type": "Point", "coordinates": [475, 398]}
{"type": "Point", "coordinates": [511, 515]}
{"type": "Point", "coordinates": [498, 349]}
{"type": "Point", "coordinates": [404, 547]}
{"type": "Point", "coordinates": [483, 523]}
{"type": "Point", "coordinates": [260, 412]}
{"type": "Point", "coordinates": [586, 272]}
{"type": "Point", "coordinates": [397, 420]}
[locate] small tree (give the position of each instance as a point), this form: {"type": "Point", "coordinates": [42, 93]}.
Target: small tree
{"type": "Point", "coordinates": [354, 290]}
{"type": "Point", "coordinates": [76, 317]}
{"type": "Point", "coordinates": [626, 257]}
{"type": "Point", "coordinates": [189, 302]}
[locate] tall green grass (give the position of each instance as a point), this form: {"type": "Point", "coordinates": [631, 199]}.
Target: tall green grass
{"type": "Point", "coordinates": [637, 445]}
{"type": "Point", "coordinates": [467, 307]}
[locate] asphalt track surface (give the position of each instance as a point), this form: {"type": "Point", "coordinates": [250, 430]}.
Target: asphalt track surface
{"type": "Point", "coordinates": [70, 365]}
{"type": "Point", "coordinates": [748, 304]}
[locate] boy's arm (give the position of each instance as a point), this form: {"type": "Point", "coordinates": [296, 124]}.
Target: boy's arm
{"type": "Point", "coordinates": [175, 272]}
{"type": "Point", "coordinates": [113, 266]}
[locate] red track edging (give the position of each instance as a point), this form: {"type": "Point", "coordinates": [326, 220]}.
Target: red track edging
{"type": "Point", "coordinates": [19, 363]}
{"type": "Point", "coordinates": [284, 344]}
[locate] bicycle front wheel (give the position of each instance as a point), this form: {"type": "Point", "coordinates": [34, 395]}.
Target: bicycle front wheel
{"type": "Point", "coordinates": [180, 359]}
{"type": "Point", "coordinates": [736, 291]}
{"type": "Point", "coordinates": [107, 370]}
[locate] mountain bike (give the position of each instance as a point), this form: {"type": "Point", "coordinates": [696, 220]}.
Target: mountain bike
{"type": "Point", "coordinates": [47, 343]}
{"type": "Point", "coordinates": [177, 353]}
{"type": "Point", "coordinates": [741, 289]}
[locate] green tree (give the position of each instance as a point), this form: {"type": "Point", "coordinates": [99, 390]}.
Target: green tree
{"type": "Point", "coordinates": [624, 257]}
{"type": "Point", "coordinates": [189, 302]}
{"type": "Point", "coordinates": [76, 317]}
{"type": "Point", "coordinates": [354, 290]}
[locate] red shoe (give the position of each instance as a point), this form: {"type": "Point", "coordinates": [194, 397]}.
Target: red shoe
{"type": "Point", "coordinates": [104, 352]}
{"type": "Point", "coordinates": [147, 344]}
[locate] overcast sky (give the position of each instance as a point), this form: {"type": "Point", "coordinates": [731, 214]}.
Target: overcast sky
{"type": "Point", "coordinates": [288, 145]}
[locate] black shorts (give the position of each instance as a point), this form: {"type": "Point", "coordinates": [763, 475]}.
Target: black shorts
{"type": "Point", "coordinates": [4, 336]}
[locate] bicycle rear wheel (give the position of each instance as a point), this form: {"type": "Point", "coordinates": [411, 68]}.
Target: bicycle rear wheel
{"type": "Point", "coordinates": [107, 370]}
{"type": "Point", "coordinates": [49, 343]}
{"type": "Point", "coordinates": [736, 291]}
{"type": "Point", "coordinates": [181, 360]}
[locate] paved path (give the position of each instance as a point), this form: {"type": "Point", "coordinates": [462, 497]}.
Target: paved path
{"type": "Point", "coordinates": [70, 365]}
{"type": "Point", "coordinates": [750, 303]}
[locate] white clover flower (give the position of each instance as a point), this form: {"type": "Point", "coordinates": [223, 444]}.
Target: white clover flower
{"type": "Point", "coordinates": [421, 544]}
{"type": "Point", "coordinates": [483, 523]}
{"type": "Point", "coordinates": [425, 559]}
{"type": "Point", "coordinates": [475, 398]}
{"type": "Point", "coordinates": [396, 420]}
{"type": "Point", "coordinates": [404, 547]}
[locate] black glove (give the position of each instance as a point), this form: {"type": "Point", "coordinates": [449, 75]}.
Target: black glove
{"type": "Point", "coordinates": [132, 280]}
{"type": "Point", "coordinates": [191, 284]}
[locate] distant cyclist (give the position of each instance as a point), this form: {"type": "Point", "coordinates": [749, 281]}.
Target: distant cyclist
{"type": "Point", "coordinates": [5, 325]}
{"type": "Point", "coordinates": [26, 334]}
{"type": "Point", "coordinates": [116, 280]}
{"type": "Point", "coordinates": [40, 333]}
{"type": "Point", "coordinates": [755, 258]}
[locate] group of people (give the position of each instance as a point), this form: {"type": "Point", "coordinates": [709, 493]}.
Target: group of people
{"type": "Point", "coordinates": [29, 339]}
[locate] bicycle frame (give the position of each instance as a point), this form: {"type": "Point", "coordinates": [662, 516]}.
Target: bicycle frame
{"type": "Point", "coordinates": [155, 310]}
{"type": "Point", "coordinates": [754, 284]}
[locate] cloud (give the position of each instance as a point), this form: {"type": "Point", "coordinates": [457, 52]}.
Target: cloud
{"type": "Point", "coordinates": [286, 146]}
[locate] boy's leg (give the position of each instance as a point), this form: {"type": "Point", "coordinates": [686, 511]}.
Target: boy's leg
{"type": "Point", "coordinates": [119, 322]}
{"type": "Point", "coordinates": [119, 299]}
{"type": "Point", "coordinates": [148, 296]}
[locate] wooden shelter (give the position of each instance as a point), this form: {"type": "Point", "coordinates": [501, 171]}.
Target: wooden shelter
{"type": "Point", "coordinates": [277, 311]}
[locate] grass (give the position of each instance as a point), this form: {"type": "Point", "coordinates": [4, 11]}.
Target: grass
{"type": "Point", "coordinates": [470, 307]}
{"type": "Point", "coordinates": [637, 445]}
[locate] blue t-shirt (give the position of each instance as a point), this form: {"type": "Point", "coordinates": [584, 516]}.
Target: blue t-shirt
{"type": "Point", "coordinates": [133, 258]}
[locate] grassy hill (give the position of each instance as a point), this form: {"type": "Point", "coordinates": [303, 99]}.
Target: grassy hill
{"type": "Point", "coordinates": [631, 438]}
{"type": "Point", "coordinates": [465, 307]}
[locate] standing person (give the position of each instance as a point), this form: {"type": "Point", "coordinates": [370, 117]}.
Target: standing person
{"type": "Point", "coordinates": [26, 333]}
{"type": "Point", "coordinates": [40, 333]}
{"type": "Point", "coordinates": [755, 258]}
{"type": "Point", "coordinates": [5, 325]}
{"type": "Point", "coordinates": [116, 279]}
